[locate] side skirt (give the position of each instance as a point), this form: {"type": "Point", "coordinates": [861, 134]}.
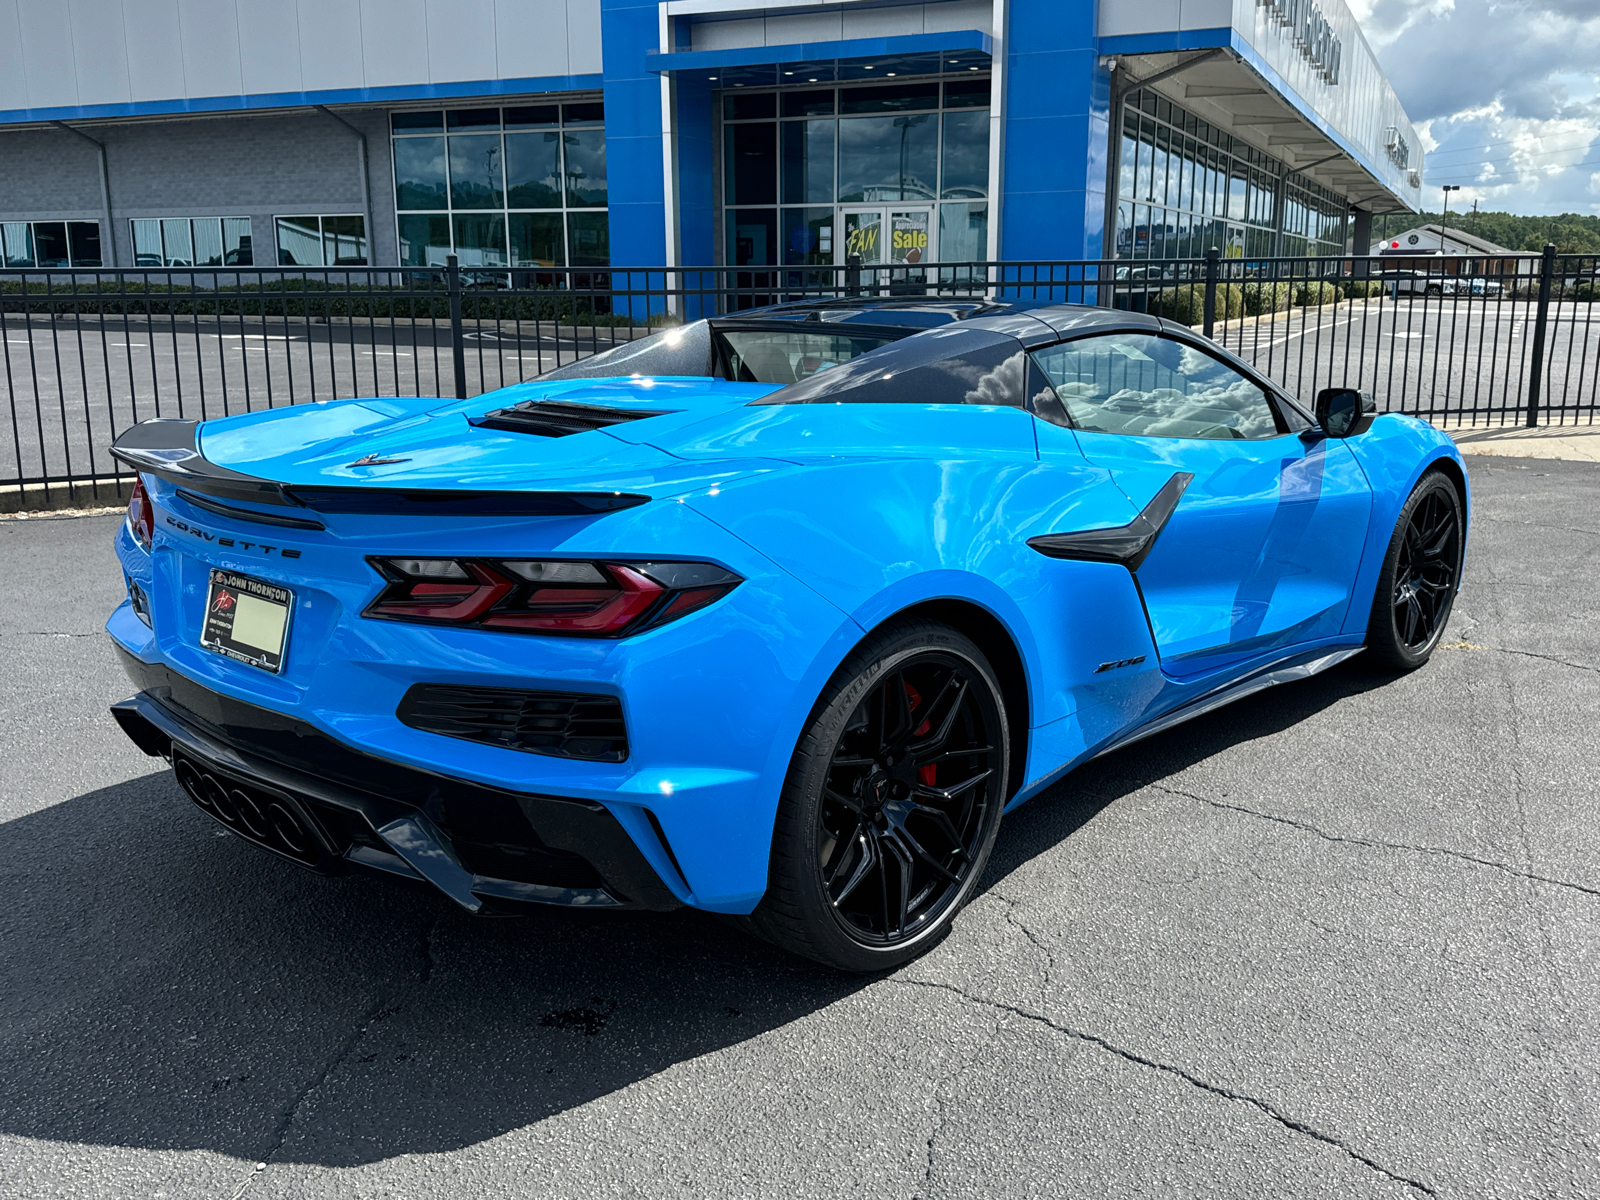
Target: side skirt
{"type": "Point", "coordinates": [1298, 666]}
{"type": "Point", "coordinates": [1286, 671]}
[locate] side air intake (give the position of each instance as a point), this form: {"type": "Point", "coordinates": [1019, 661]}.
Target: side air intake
{"type": "Point", "coordinates": [554, 418]}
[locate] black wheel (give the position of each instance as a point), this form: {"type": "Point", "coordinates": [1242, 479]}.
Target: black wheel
{"type": "Point", "coordinates": [891, 804]}
{"type": "Point", "coordinates": [1420, 575]}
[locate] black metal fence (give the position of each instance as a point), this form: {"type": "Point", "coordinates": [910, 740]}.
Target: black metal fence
{"type": "Point", "coordinates": [1461, 342]}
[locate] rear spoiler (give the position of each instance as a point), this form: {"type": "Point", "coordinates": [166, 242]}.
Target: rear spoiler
{"type": "Point", "coordinates": [169, 448]}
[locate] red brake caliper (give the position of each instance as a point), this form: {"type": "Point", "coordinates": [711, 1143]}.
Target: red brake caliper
{"type": "Point", "coordinates": [929, 773]}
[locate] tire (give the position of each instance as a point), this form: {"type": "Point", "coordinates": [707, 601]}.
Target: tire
{"type": "Point", "coordinates": [1421, 572]}
{"type": "Point", "coordinates": [885, 822]}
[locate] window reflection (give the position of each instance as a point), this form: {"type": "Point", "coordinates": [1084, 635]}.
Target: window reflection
{"type": "Point", "coordinates": [533, 170]}
{"type": "Point", "coordinates": [1145, 386]}
{"type": "Point", "coordinates": [475, 172]}
{"type": "Point", "coordinates": [966, 155]}
{"type": "Point", "coordinates": [497, 189]}
{"type": "Point", "coordinates": [787, 149]}
{"type": "Point", "coordinates": [322, 241]}
{"type": "Point", "coordinates": [419, 173]}
{"type": "Point", "coordinates": [585, 153]}
{"type": "Point", "coordinates": [424, 240]}
{"type": "Point", "coordinates": [537, 240]}
{"type": "Point", "coordinates": [481, 240]}
{"type": "Point", "coordinates": [1196, 178]}
{"type": "Point", "coordinates": [588, 239]}
{"type": "Point", "coordinates": [808, 161]}
{"type": "Point", "coordinates": [888, 158]}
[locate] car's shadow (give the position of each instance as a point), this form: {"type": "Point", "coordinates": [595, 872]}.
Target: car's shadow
{"type": "Point", "coordinates": [167, 987]}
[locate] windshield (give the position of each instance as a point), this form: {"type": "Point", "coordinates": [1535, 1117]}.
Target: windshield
{"type": "Point", "coordinates": [789, 355]}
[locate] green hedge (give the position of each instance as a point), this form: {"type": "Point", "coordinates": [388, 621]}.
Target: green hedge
{"type": "Point", "coordinates": [313, 298]}
{"type": "Point", "coordinates": [1187, 304]}
{"type": "Point", "coordinates": [1260, 298]}
{"type": "Point", "coordinates": [1361, 289]}
{"type": "Point", "coordinates": [1314, 292]}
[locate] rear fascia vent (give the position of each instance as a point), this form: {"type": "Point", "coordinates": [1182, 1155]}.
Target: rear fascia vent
{"type": "Point", "coordinates": [586, 725]}
{"type": "Point", "coordinates": [553, 418]}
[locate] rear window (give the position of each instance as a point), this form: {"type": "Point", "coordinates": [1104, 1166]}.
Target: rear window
{"type": "Point", "coordinates": [942, 366]}
{"type": "Point", "coordinates": [684, 350]}
{"type": "Point", "coordinates": [788, 356]}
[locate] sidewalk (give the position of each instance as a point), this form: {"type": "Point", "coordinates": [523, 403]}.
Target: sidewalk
{"type": "Point", "coordinates": [1575, 443]}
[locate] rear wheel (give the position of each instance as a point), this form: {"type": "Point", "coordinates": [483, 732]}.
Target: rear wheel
{"type": "Point", "coordinates": [1421, 572]}
{"type": "Point", "coordinates": [891, 804]}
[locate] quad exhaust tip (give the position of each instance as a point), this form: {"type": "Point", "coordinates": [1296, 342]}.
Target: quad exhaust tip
{"type": "Point", "coordinates": [272, 820]}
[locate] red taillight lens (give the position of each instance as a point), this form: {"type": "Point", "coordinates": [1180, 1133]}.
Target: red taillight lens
{"type": "Point", "coordinates": [573, 599]}
{"type": "Point", "coordinates": [141, 515]}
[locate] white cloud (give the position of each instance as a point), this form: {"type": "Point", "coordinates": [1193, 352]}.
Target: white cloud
{"type": "Point", "coordinates": [1505, 95]}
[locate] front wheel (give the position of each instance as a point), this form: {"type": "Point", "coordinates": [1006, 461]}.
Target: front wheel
{"type": "Point", "coordinates": [1421, 572]}
{"type": "Point", "coordinates": [891, 803]}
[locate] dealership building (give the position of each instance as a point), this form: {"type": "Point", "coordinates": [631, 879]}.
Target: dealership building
{"type": "Point", "coordinates": [590, 133]}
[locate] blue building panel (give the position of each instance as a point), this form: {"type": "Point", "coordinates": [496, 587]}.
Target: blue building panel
{"type": "Point", "coordinates": [635, 170]}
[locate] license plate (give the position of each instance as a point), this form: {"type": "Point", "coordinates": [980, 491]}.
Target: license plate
{"type": "Point", "coordinates": [247, 619]}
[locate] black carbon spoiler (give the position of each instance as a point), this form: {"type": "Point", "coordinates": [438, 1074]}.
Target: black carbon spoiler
{"type": "Point", "coordinates": [168, 448]}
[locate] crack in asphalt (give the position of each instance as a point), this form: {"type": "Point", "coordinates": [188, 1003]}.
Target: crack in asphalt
{"type": "Point", "coordinates": [49, 633]}
{"type": "Point", "coordinates": [1093, 1039]}
{"type": "Point", "coordinates": [941, 1118]}
{"type": "Point", "coordinates": [384, 1006]}
{"type": "Point", "coordinates": [1539, 525]}
{"type": "Point", "coordinates": [1013, 920]}
{"type": "Point", "coordinates": [1377, 843]}
{"type": "Point", "coordinates": [1462, 643]}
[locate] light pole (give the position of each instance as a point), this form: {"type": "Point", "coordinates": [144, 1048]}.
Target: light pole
{"type": "Point", "coordinates": [1446, 189]}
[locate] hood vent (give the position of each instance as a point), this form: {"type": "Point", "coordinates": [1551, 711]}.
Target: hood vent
{"type": "Point", "coordinates": [553, 418]}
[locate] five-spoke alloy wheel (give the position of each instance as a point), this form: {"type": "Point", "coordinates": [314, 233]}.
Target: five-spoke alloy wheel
{"type": "Point", "coordinates": [892, 801]}
{"type": "Point", "coordinates": [1421, 572]}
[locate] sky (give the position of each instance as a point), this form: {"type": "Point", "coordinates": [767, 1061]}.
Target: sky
{"type": "Point", "coordinates": [1505, 95]}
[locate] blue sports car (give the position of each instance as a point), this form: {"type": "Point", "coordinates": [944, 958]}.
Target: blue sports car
{"type": "Point", "coordinates": [773, 614]}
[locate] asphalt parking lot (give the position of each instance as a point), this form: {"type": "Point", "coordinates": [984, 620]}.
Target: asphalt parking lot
{"type": "Point", "coordinates": [1339, 939]}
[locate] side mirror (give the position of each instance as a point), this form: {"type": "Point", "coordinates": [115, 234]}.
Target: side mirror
{"type": "Point", "coordinates": [1340, 410]}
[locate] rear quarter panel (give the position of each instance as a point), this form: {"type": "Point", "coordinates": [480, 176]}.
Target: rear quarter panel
{"type": "Point", "coordinates": [876, 534]}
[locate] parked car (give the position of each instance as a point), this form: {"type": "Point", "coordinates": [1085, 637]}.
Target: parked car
{"type": "Point", "coordinates": [1433, 284]}
{"type": "Point", "coordinates": [772, 615]}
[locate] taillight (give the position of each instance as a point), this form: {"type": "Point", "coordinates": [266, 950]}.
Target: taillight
{"type": "Point", "coordinates": [574, 599]}
{"type": "Point", "coordinates": [141, 516]}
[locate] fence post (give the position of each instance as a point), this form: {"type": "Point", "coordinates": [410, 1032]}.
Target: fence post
{"type": "Point", "coordinates": [852, 275]}
{"type": "Point", "coordinates": [1213, 255]}
{"type": "Point", "coordinates": [1547, 270]}
{"type": "Point", "coordinates": [458, 346]}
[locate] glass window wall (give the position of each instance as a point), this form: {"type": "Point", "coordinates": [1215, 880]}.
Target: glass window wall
{"type": "Point", "coordinates": [50, 244]}
{"type": "Point", "coordinates": [794, 160]}
{"type": "Point", "coordinates": [1185, 186]}
{"type": "Point", "coordinates": [322, 241]}
{"type": "Point", "coordinates": [192, 242]}
{"type": "Point", "coordinates": [502, 187]}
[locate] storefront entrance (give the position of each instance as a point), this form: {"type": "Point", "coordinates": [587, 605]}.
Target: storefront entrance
{"type": "Point", "coordinates": [891, 235]}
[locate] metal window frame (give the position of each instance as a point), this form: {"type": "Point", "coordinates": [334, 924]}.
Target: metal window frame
{"type": "Point", "coordinates": [560, 101]}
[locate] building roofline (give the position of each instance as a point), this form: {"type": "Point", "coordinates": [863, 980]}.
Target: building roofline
{"type": "Point", "coordinates": [271, 101]}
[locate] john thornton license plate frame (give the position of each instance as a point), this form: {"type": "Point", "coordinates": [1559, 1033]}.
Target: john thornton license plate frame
{"type": "Point", "coordinates": [247, 619]}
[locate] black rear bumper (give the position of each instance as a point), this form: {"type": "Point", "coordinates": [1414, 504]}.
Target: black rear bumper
{"type": "Point", "coordinates": [290, 788]}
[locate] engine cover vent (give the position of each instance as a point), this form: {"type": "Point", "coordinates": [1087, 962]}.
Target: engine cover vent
{"type": "Point", "coordinates": [556, 418]}
{"type": "Point", "coordinates": [563, 724]}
